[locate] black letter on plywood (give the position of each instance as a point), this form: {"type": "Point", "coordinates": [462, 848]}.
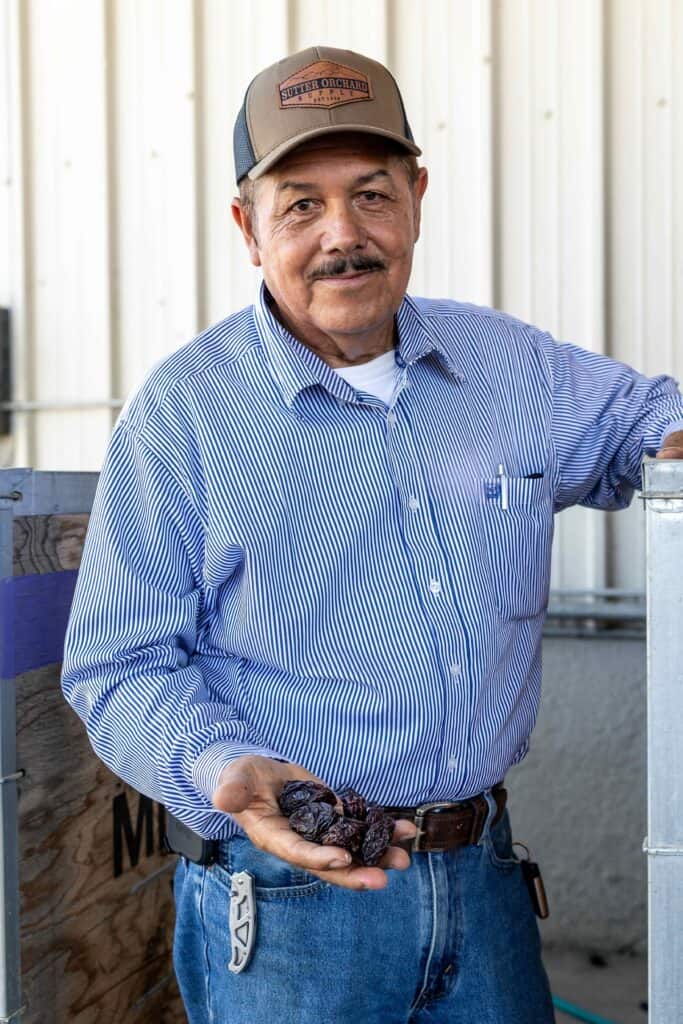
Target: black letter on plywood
{"type": "Point", "coordinates": [161, 825]}
{"type": "Point", "coordinates": [124, 826]}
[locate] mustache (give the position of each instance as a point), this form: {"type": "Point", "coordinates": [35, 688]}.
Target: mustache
{"type": "Point", "coordinates": [342, 265]}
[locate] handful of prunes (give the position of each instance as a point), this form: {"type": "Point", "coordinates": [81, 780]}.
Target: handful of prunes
{"type": "Point", "coordinates": [364, 829]}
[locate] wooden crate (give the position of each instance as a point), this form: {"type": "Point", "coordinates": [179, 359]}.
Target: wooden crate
{"type": "Point", "coordinates": [97, 910]}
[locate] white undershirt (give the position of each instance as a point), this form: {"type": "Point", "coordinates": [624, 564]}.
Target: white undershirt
{"type": "Point", "coordinates": [378, 376]}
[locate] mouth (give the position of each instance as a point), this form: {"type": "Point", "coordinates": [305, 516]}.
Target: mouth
{"type": "Point", "coordinates": [351, 278]}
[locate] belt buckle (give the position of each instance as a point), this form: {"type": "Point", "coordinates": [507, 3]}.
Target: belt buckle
{"type": "Point", "coordinates": [419, 820]}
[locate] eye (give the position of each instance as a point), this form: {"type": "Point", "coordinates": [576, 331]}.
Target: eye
{"type": "Point", "coordinates": [302, 206]}
{"type": "Point", "coordinates": [371, 197]}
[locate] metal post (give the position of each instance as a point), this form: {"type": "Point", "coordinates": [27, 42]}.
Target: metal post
{"type": "Point", "coordinates": [10, 960]}
{"type": "Point", "coordinates": [663, 495]}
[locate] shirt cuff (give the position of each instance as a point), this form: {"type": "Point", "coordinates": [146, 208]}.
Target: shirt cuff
{"type": "Point", "coordinates": [670, 428]}
{"type": "Point", "coordinates": [211, 762]}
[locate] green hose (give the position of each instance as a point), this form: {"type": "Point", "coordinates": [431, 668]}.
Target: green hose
{"type": "Point", "coordinates": [576, 1011]}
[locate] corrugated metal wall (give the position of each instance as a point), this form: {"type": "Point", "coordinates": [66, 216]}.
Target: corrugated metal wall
{"type": "Point", "coordinates": [552, 130]}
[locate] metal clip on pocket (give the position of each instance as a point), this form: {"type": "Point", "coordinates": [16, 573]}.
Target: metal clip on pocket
{"type": "Point", "coordinates": [242, 920]}
{"type": "Point", "coordinates": [531, 874]}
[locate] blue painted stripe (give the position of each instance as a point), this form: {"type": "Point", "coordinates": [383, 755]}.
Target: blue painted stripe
{"type": "Point", "coordinates": [277, 562]}
{"type": "Point", "coordinates": [34, 612]}
{"type": "Point", "coordinates": [579, 1013]}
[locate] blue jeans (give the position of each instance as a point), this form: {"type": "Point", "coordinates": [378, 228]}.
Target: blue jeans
{"type": "Point", "coordinates": [451, 940]}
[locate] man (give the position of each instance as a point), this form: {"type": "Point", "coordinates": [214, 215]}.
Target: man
{"type": "Point", "coordinates": [320, 549]}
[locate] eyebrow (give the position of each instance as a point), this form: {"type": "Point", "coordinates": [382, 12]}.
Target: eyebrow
{"type": "Point", "coordinates": [307, 186]}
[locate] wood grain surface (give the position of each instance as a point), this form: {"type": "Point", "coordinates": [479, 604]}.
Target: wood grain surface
{"type": "Point", "coordinates": [94, 947]}
{"type": "Point", "coordinates": [48, 543]}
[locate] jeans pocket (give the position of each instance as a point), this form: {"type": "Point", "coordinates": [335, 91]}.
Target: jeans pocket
{"type": "Point", "coordinates": [274, 878]}
{"type": "Point", "coordinates": [519, 535]}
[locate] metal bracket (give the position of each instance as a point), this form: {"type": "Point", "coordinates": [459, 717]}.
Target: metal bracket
{"type": "Point", "coordinates": [14, 1014]}
{"type": "Point", "coordinates": [664, 504]}
{"type": "Point", "coordinates": [662, 851]}
{"type": "Point", "coordinates": [11, 778]}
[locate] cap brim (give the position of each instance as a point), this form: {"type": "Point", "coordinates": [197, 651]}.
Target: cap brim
{"type": "Point", "coordinates": [286, 147]}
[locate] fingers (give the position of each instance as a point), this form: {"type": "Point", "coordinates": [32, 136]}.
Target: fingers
{"type": "Point", "coordinates": [360, 877]}
{"type": "Point", "coordinates": [670, 453]}
{"type": "Point", "coordinates": [332, 864]}
{"type": "Point", "coordinates": [248, 791]}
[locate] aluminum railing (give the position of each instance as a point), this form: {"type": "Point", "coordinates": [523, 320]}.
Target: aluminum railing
{"type": "Point", "coordinates": [663, 496]}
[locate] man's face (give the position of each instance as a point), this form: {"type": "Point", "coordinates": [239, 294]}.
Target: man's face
{"type": "Point", "coordinates": [334, 226]}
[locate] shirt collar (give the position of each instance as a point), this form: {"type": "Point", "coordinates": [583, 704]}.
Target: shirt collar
{"type": "Point", "coordinates": [297, 367]}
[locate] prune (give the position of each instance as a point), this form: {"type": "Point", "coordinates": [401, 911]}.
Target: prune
{"type": "Point", "coordinates": [312, 820]}
{"type": "Point", "coordinates": [375, 813]}
{"type": "Point", "coordinates": [345, 832]}
{"type": "Point", "coordinates": [365, 829]}
{"type": "Point", "coordinates": [353, 803]}
{"type": "Point", "coordinates": [377, 839]}
{"type": "Point", "coordinates": [300, 792]}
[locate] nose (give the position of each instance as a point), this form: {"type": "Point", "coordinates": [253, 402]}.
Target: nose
{"type": "Point", "coordinates": [343, 231]}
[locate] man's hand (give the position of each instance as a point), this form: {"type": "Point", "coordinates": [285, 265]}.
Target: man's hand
{"type": "Point", "coordinates": [672, 447]}
{"type": "Point", "coordinates": [248, 791]}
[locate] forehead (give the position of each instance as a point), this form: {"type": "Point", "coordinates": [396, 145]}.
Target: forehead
{"type": "Point", "coordinates": [347, 153]}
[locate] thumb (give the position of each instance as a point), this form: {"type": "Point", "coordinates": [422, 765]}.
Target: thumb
{"type": "Point", "coordinates": [236, 789]}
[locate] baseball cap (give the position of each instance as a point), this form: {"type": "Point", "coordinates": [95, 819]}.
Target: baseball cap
{"type": "Point", "coordinates": [314, 92]}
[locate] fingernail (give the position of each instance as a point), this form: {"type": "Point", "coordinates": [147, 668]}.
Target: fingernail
{"type": "Point", "coordinates": [338, 864]}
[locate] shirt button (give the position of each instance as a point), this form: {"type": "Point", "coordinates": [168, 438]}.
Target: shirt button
{"type": "Point", "coordinates": [452, 763]}
{"type": "Point", "coordinates": [435, 586]}
{"type": "Point", "coordinates": [391, 418]}
{"type": "Point", "coordinates": [400, 361]}
{"type": "Point", "coordinates": [455, 669]}
{"type": "Point", "coordinates": [413, 503]}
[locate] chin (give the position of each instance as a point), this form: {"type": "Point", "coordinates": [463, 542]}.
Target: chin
{"type": "Point", "coordinates": [354, 315]}
{"type": "Point", "coordinates": [356, 324]}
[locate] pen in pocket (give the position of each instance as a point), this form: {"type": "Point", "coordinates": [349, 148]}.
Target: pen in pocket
{"type": "Point", "coordinates": [503, 487]}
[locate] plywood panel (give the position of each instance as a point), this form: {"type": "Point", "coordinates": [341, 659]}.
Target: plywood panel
{"type": "Point", "coordinates": [92, 943]}
{"type": "Point", "coordinates": [44, 544]}
{"type": "Point", "coordinates": [97, 912]}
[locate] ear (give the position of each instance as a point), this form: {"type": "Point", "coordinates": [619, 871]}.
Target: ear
{"type": "Point", "coordinates": [245, 223]}
{"type": "Point", "coordinates": [419, 189]}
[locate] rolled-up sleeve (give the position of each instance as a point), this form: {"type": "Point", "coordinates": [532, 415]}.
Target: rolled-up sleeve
{"type": "Point", "coordinates": [606, 416]}
{"type": "Point", "coordinates": [128, 668]}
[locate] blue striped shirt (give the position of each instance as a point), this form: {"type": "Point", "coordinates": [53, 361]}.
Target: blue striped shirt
{"type": "Point", "coordinates": [277, 563]}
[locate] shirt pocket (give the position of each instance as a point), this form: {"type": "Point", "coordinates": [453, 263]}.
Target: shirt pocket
{"type": "Point", "coordinates": [519, 543]}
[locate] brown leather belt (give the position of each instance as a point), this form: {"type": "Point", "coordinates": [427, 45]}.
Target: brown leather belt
{"type": "Point", "coordinates": [443, 825]}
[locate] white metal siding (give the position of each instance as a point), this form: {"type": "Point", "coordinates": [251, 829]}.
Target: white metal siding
{"type": "Point", "coordinates": [553, 135]}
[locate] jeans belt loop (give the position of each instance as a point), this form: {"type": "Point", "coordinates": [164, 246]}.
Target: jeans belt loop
{"type": "Point", "coordinates": [481, 810]}
{"type": "Point", "coordinates": [419, 821]}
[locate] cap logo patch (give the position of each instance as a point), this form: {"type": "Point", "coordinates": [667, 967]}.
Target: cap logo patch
{"type": "Point", "coordinates": [324, 84]}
